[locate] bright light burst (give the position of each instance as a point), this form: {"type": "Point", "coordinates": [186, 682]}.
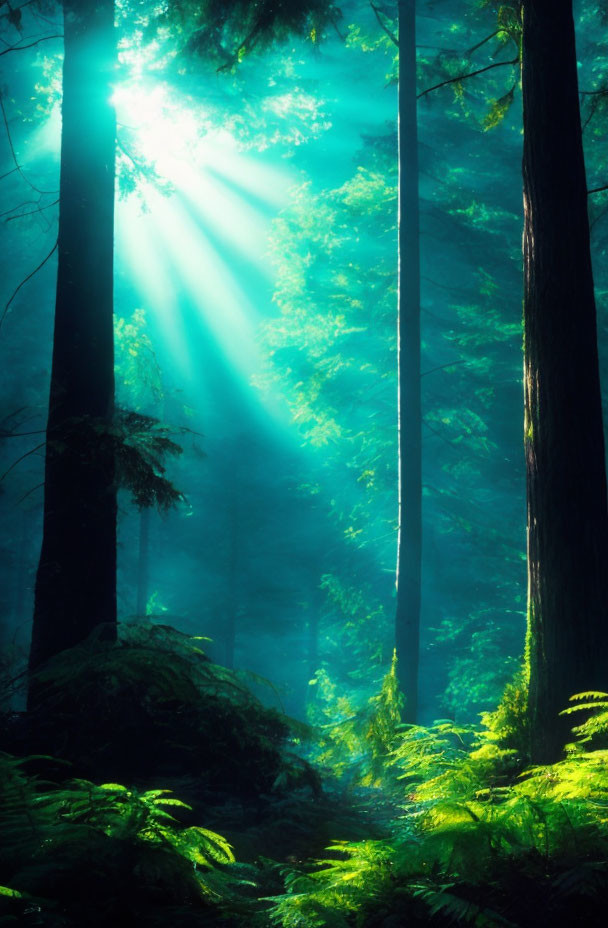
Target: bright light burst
{"type": "Point", "coordinates": [180, 248]}
{"type": "Point", "coordinates": [166, 131]}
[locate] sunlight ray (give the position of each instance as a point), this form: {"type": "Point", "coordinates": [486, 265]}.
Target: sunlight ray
{"type": "Point", "coordinates": [268, 184]}
{"type": "Point", "coordinates": [208, 283]}
{"type": "Point", "coordinates": [233, 220]}
{"type": "Point", "coordinates": [142, 249]}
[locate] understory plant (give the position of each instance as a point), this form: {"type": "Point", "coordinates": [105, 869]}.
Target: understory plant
{"type": "Point", "coordinates": [354, 736]}
{"type": "Point", "coordinates": [152, 705]}
{"type": "Point", "coordinates": [76, 853]}
{"type": "Point", "coordinates": [483, 838]}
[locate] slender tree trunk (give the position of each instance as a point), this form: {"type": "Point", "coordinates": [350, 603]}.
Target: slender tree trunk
{"type": "Point", "coordinates": [407, 621]}
{"type": "Point", "coordinates": [76, 580]}
{"type": "Point", "coordinates": [567, 642]}
{"type": "Point", "coordinates": [143, 564]}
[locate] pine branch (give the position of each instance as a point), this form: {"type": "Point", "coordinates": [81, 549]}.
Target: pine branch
{"type": "Point", "coordinates": [20, 48]}
{"type": "Point", "coordinates": [383, 25]}
{"type": "Point", "coordinates": [22, 458]}
{"type": "Point", "coordinates": [29, 493]}
{"type": "Point", "coordinates": [442, 367]}
{"type": "Point", "coordinates": [462, 77]}
{"type": "Point", "coordinates": [32, 212]}
{"type": "Point", "coordinates": [4, 435]}
{"type": "Point", "coordinates": [25, 280]}
{"type": "Point", "coordinates": [488, 38]}
{"type": "Point", "coordinates": [13, 153]}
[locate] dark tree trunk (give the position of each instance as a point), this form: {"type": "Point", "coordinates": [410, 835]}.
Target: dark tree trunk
{"type": "Point", "coordinates": [567, 511]}
{"type": "Point", "coordinates": [76, 580]}
{"type": "Point", "coordinates": [143, 564]}
{"type": "Point", "coordinates": [407, 621]}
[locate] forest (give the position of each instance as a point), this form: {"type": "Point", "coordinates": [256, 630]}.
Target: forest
{"type": "Point", "coordinates": [304, 540]}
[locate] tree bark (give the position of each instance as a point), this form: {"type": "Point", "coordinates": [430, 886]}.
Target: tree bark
{"type": "Point", "coordinates": [567, 641]}
{"type": "Point", "coordinates": [76, 579]}
{"type": "Point", "coordinates": [409, 545]}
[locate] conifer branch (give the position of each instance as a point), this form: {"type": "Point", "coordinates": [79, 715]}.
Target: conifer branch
{"type": "Point", "coordinates": [13, 153]}
{"type": "Point", "coordinates": [25, 280]}
{"type": "Point", "coordinates": [20, 48]}
{"type": "Point", "coordinates": [22, 458]}
{"type": "Point", "coordinates": [442, 367]}
{"type": "Point", "coordinates": [32, 212]}
{"type": "Point", "coordinates": [383, 25]}
{"type": "Point", "coordinates": [462, 77]}
{"type": "Point", "coordinates": [488, 38]}
{"type": "Point", "coordinates": [29, 493]}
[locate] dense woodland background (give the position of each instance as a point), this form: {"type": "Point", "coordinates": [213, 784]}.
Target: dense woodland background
{"type": "Point", "coordinates": [254, 445]}
{"type": "Point", "coordinates": [313, 322]}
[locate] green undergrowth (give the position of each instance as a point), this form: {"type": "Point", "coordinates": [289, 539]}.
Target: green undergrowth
{"type": "Point", "coordinates": [354, 737]}
{"type": "Point", "coordinates": [151, 707]}
{"type": "Point", "coordinates": [444, 824]}
{"type": "Point", "coordinates": [74, 853]}
{"type": "Point", "coordinates": [481, 837]}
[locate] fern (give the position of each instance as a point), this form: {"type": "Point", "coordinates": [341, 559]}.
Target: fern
{"type": "Point", "coordinates": [141, 445]}
{"type": "Point", "coordinates": [483, 842]}
{"type": "Point", "coordinates": [153, 704]}
{"type": "Point", "coordinates": [100, 853]}
{"type": "Point", "coordinates": [595, 728]}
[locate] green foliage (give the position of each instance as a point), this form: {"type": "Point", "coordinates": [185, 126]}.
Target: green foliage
{"type": "Point", "coordinates": [363, 625]}
{"type": "Point", "coordinates": [141, 446]}
{"type": "Point", "coordinates": [594, 730]}
{"type": "Point", "coordinates": [152, 704]}
{"type": "Point", "coordinates": [331, 351]}
{"type": "Point", "coordinates": [353, 741]}
{"type": "Point", "coordinates": [138, 375]}
{"type": "Point", "coordinates": [225, 31]}
{"type": "Point", "coordinates": [481, 667]}
{"type": "Point", "coordinates": [499, 109]}
{"type": "Point", "coordinates": [480, 844]}
{"type": "Point", "coordinates": [79, 853]}
{"type": "Point", "coordinates": [138, 445]}
{"type": "Point", "coordinates": [446, 760]}
{"type": "Point", "coordinates": [508, 724]}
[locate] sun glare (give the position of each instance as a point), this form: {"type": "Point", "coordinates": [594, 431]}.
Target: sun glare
{"type": "Point", "coordinates": [165, 131]}
{"type": "Point", "coordinates": [199, 242]}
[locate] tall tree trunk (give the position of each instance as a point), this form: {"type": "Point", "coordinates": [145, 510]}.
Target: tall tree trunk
{"type": "Point", "coordinates": [143, 564]}
{"type": "Point", "coordinates": [567, 644]}
{"type": "Point", "coordinates": [76, 580]}
{"type": "Point", "coordinates": [407, 620]}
